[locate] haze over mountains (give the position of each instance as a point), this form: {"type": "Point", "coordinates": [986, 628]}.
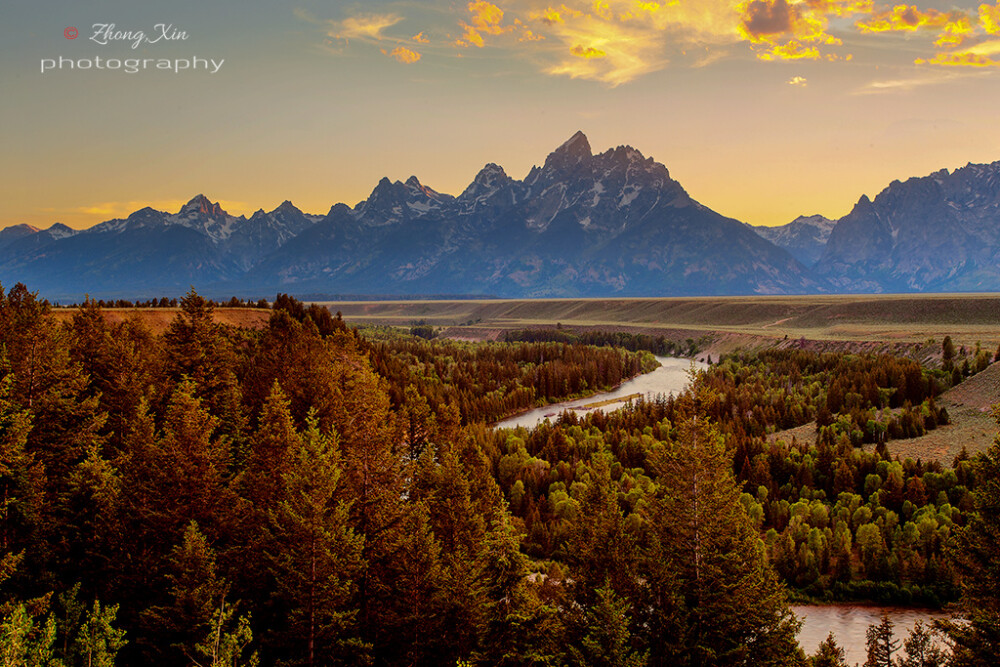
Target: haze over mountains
{"type": "Point", "coordinates": [611, 224]}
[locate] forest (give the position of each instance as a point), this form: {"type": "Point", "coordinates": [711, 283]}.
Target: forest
{"type": "Point", "coordinates": [309, 494]}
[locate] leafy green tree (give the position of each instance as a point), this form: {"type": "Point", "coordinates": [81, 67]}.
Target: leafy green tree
{"type": "Point", "coordinates": [97, 640]}
{"type": "Point", "coordinates": [227, 641]}
{"type": "Point", "coordinates": [25, 644]}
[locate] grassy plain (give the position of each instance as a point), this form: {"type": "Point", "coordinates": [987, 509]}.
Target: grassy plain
{"type": "Point", "coordinates": [885, 318]}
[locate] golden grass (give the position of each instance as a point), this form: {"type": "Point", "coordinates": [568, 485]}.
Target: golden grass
{"type": "Point", "coordinates": [157, 319]}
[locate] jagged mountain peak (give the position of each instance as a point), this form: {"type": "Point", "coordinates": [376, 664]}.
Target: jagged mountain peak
{"type": "Point", "coordinates": [201, 205]}
{"type": "Point", "coordinates": [625, 154]}
{"type": "Point", "coordinates": [577, 145]}
{"type": "Point", "coordinates": [490, 179]}
{"type": "Point", "coordinates": [573, 151]}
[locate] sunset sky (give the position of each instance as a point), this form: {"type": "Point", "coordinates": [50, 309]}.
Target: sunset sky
{"type": "Point", "coordinates": [762, 109]}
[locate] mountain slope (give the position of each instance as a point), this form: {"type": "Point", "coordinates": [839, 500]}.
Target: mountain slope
{"type": "Point", "coordinates": [936, 233]}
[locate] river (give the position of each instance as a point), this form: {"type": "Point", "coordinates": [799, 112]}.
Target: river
{"type": "Point", "coordinates": [670, 378]}
{"type": "Point", "coordinates": [849, 623]}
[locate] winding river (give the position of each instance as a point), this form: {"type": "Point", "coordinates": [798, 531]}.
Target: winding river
{"type": "Point", "coordinates": [670, 378]}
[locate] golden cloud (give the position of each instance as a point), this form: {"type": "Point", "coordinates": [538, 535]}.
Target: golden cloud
{"type": "Point", "coordinates": [793, 50]}
{"type": "Point", "coordinates": [587, 52]}
{"type": "Point", "coordinates": [989, 18]}
{"type": "Point", "coordinates": [794, 29]}
{"type": "Point", "coordinates": [903, 18]}
{"type": "Point", "coordinates": [420, 39]}
{"type": "Point", "coordinates": [363, 26]}
{"type": "Point", "coordinates": [403, 55]}
{"type": "Point", "coordinates": [798, 81]}
{"type": "Point", "coordinates": [980, 55]}
{"type": "Point", "coordinates": [955, 31]}
{"type": "Point", "coordinates": [628, 38]}
{"type": "Point", "coordinates": [487, 19]}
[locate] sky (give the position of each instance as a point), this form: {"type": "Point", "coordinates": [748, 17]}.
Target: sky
{"type": "Point", "coordinates": [762, 109]}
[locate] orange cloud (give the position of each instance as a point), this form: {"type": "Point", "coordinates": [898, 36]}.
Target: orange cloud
{"type": "Point", "coordinates": [789, 30]}
{"type": "Point", "coordinates": [419, 37]}
{"type": "Point", "coordinates": [955, 31]}
{"type": "Point", "coordinates": [793, 50]}
{"type": "Point", "coordinates": [798, 81]}
{"type": "Point", "coordinates": [980, 55]}
{"type": "Point", "coordinates": [989, 18]}
{"type": "Point", "coordinates": [486, 19]}
{"type": "Point", "coordinates": [403, 55]}
{"type": "Point", "coordinates": [905, 18]}
{"type": "Point", "coordinates": [587, 52]}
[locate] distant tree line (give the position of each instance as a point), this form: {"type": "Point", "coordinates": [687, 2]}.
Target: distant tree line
{"type": "Point", "coordinates": [657, 344]}
{"type": "Point", "coordinates": [173, 302]}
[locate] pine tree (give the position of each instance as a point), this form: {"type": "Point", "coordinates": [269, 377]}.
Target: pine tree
{"type": "Point", "coordinates": [920, 649]}
{"type": "Point", "coordinates": [717, 600]}
{"type": "Point", "coordinates": [881, 644]}
{"type": "Point", "coordinates": [198, 349]}
{"type": "Point", "coordinates": [315, 555]}
{"type": "Point", "coordinates": [601, 551]}
{"type": "Point", "coordinates": [22, 482]}
{"type": "Point", "coordinates": [828, 654]}
{"type": "Point", "coordinates": [173, 629]}
{"type": "Point", "coordinates": [607, 639]}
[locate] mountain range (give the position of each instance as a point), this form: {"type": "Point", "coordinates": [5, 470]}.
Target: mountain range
{"type": "Point", "coordinates": [582, 224]}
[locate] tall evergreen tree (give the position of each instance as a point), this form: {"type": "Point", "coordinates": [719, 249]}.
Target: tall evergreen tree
{"type": "Point", "coordinates": [730, 605]}
{"type": "Point", "coordinates": [921, 650]}
{"type": "Point", "coordinates": [316, 557]}
{"type": "Point", "coordinates": [173, 630]}
{"type": "Point", "coordinates": [881, 644]}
